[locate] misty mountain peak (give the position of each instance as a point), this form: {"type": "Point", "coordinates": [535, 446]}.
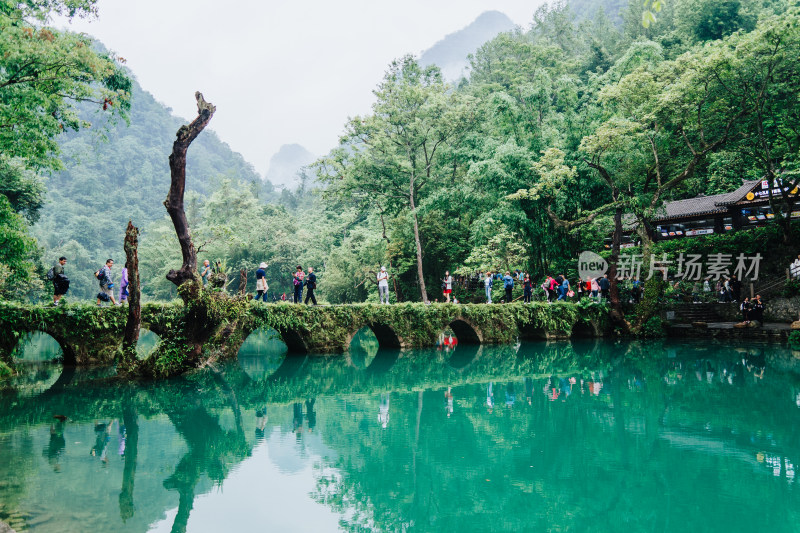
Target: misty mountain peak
{"type": "Point", "coordinates": [450, 54]}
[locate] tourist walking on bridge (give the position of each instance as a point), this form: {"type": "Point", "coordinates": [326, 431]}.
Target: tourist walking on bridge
{"type": "Point", "coordinates": [527, 289]}
{"type": "Point", "coordinates": [487, 283]}
{"type": "Point", "coordinates": [59, 279]}
{"type": "Point", "coordinates": [604, 285]}
{"type": "Point", "coordinates": [299, 276]}
{"type": "Point", "coordinates": [508, 285]}
{"type": "Point", "coordinates": [383, 286]}
{"type": "Point", "coordinates": [564, 289]}
{"type": "Point", "coordinates": [261, 283]}
{"type": "Point", "coordinates": [106, 284]}
{"type": "Point", "coordinates": [447, 285]}
{"type": "Point", "coordinates": [311, 285]}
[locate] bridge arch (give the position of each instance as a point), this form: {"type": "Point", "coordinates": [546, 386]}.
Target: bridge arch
{"type": "Point", "coordinates": [531, 332]}
{"type": "Point", "coordinates": [294, 341]}
{"type": "Point", "coordinates": [261, 353]}
{"type": "Point", "coordinates": [465, 331]}
{"type": "Point", "coordinates": [42, 338]}
{"type": "Point", "coordinates": [387, 338]}
{"type": "Point", "coordinates": [585, 330]}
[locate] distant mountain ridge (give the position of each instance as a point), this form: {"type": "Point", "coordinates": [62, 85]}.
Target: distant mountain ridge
{"type": "Point", "coordinates": [450, 54]}
{"type": "Point", "coordinates": [286, 163]}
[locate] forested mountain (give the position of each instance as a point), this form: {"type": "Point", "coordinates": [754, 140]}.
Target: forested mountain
{"type": "Point", "coordinates": [450, 54]}
{"type": "Point", "coordinates": [119, 172]}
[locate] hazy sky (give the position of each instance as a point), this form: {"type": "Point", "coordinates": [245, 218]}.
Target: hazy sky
{"type": "Point", "coordinates": [278, 72]}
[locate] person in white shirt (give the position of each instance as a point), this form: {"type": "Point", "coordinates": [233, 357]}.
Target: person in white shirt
{"type": "Point", "coordinates": [487, 282]}
{"type": "Point", "coordinates": [383, 285]}
{"type": "Point", "coordinates": [795, 268]}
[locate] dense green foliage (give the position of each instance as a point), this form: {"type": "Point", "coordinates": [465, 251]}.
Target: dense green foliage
{"type": "Point", "coordinates": [45, 77]}
{"type": "Point", "coordinates": [519, 166]}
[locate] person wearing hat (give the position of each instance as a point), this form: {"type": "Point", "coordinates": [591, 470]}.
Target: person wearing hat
{"type": "Point", "coordinates": [383, 285]}
{"type": "Point", "coordinates": [261, 282]}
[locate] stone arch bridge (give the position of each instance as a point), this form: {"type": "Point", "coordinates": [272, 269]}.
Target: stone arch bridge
{"type": "Point", "coordinates": [93, 335]}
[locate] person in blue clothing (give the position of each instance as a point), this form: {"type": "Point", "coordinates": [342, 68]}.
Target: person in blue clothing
{"type": "Point", "coordinates": [508, 285]}
{"type": "Point", "coordinates": [527, 288]}
{"type": "Point", "coordinates": [564, 289]}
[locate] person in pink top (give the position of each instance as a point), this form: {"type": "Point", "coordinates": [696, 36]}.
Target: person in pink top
{"type": "Point", "coordinates": [299, 276]}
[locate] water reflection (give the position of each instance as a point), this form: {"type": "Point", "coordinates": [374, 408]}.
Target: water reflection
{"type": "Point", "coordinates": [37, 347]}
{"type": "Point", "coordinates": [583, 436]}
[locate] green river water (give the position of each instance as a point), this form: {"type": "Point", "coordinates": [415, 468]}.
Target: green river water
{"type": "Point", "coordinates": [564, 436]}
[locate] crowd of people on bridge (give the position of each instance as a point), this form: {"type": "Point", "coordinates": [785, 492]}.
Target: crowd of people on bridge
{"type": "Point", "coordinates": [553, 288]}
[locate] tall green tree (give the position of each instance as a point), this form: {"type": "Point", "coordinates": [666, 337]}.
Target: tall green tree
{"type": "Point", "coordinates": [44, 74]}
{"type": "Point", "coordinates": [392, 157]}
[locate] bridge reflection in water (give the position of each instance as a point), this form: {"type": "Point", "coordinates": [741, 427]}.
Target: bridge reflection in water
{"type": "Point", "coordinates": [561, 435]}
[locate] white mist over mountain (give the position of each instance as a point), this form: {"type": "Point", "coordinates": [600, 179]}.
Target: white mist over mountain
{"type": "Point", "coordinates": [450, 54]}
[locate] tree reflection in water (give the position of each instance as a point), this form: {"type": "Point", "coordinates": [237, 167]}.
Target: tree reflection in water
{"type": "Point", "coordinates": [562, 435]}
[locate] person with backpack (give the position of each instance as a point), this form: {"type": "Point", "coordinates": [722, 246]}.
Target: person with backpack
{"type": "Point", "coordinates": [527, 289]}
{"type": "Point", "coordinates": [311, 285]}
{"type": "Point", "coordinates": [299, 276]}
{"type": "Point", "coordinates": [60, 281]}
{"type": "Point", "coordinates": [261, 283]}
{"type": "Point", "coordinates": [106, 283]}
{"type": "Point", "coordinates": [508, 285]}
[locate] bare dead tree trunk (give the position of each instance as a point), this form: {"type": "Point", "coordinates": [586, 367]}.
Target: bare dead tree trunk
{"type": "Point", "coordinates": [242, 281]}
{"type": "Point", "coordinates": [134, 292]}
{"type": "Point", "coordinates": [174, 201]}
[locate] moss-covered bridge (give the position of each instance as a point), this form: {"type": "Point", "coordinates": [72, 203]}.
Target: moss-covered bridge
{"type": "Point", "coordinates": [93, 335]}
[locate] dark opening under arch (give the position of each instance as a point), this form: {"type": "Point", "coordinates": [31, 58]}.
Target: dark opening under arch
{"type": "Point", "coordinates": [386, 336]}
{"type": "Point", "coordinates": [294, 341]}
{"type": "Point", "coordinates": [583, 330]}
{"type": "Point", "coordinates": [532, 333]}
{"type": "Point", "coordinates": [464, 332]}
